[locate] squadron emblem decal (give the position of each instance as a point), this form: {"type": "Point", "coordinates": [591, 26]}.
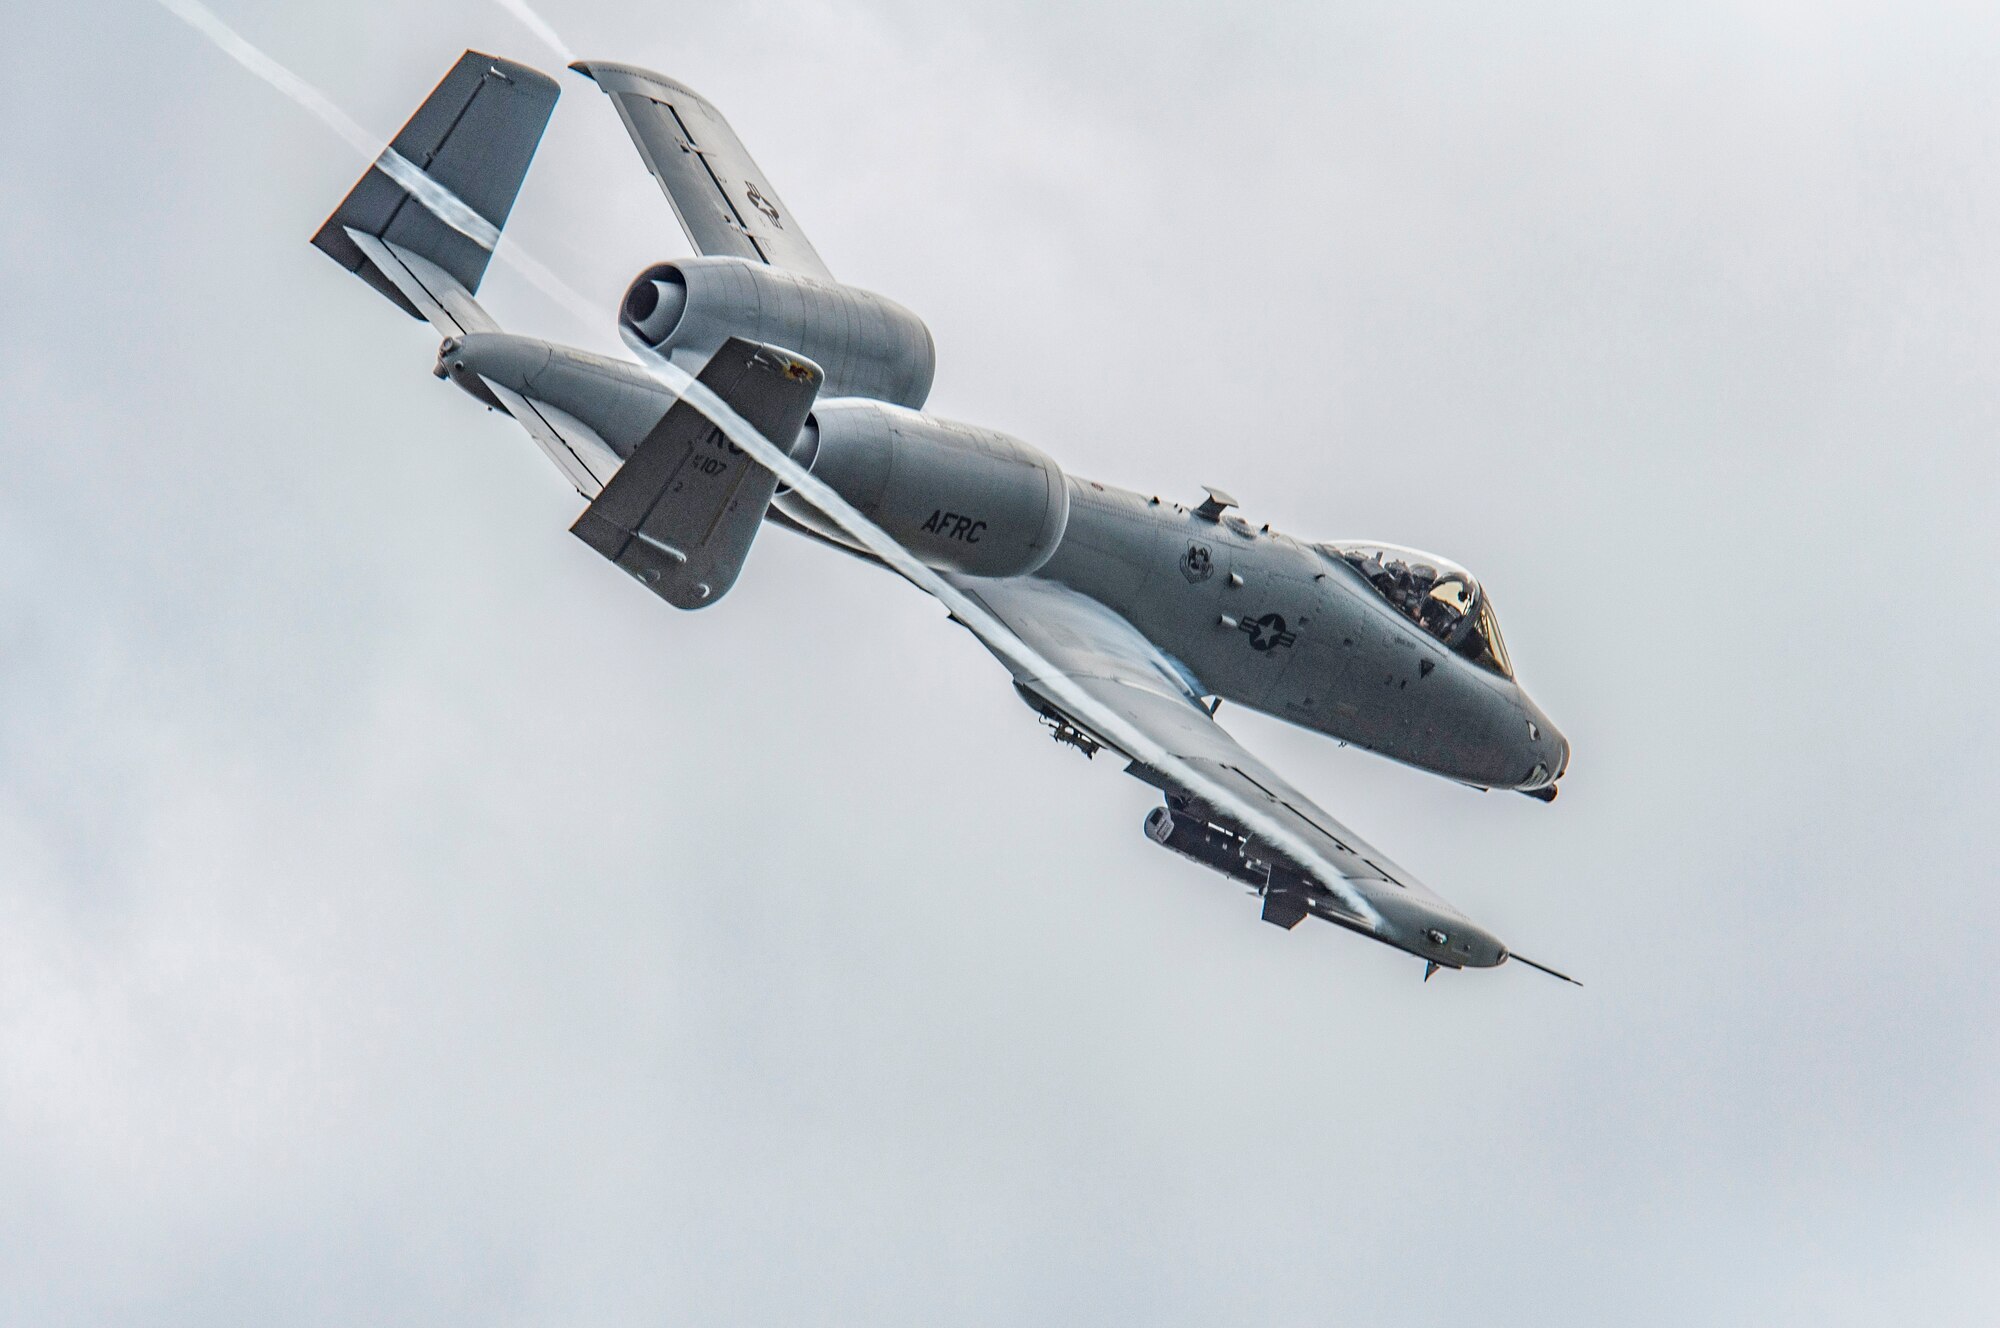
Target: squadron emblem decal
{"type": "Point", "coordinates": [1197, 564]}
{"type": "Point", "coordinates": [1266, 633]}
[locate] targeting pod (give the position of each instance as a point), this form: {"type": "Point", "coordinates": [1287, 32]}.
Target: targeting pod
{"type": "Point", "coordinates": [1286, 892]}
{"type": "Point", "coordinates": [1210, 845]}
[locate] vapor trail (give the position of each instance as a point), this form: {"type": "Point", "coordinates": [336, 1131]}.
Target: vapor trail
{"type": "Point", "coordinates": [540, 26]}
{"type": "Point", "coordinates": [210, 25]}
{"type": "Point", "coordinates": [445, 205]}
{"type": "Point", "coordinates": [996, 634]}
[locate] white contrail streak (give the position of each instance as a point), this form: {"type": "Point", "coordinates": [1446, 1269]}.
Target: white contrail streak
{"type": "Point", "coordinates": [445, 205]}
{"type": "Point", "coordinates": [544, 279]}
{"type": "Point", "coordinates": [540, 26]}
{"type": "Point", "coordinates": [205, 21]}
{"type": "Point", "coordinates": [997, 635]}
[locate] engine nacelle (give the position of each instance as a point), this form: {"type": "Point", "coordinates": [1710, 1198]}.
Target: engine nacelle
{"type": "Point", "coordinates": [959, 498]}
{"type": "Point", "coordinates": [869, 345]}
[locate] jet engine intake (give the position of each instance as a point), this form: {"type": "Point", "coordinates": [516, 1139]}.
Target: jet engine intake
{"type": "Point", "coordinates": [869, 345]}
{"type": "Point", "coordinates": [961, 499]}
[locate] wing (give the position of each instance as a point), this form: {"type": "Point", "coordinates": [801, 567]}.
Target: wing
{"type": "Point", "coordinates": [726, 204]}
{"type": "Point", "coordinates": [1110, 660]}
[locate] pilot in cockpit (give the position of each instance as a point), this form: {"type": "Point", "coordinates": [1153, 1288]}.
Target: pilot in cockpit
{"type": "Point", "coordinates": [1439, 597]}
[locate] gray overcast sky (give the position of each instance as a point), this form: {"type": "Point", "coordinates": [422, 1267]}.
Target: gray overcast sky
{"type": "Point", "coordinates": [404, 918]}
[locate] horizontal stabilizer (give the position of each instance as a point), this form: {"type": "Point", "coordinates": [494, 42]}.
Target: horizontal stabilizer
{"type": "Point", "coordinates": [442, 190]}
{"type": "Point", "coordinates": [680, 514]}
{"type": "Point", "coordinates": [435, 294]}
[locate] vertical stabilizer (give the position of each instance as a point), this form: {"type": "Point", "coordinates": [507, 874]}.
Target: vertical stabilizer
{"type": "Point", "coordinates": [443, 188]}
{"type": "Point", "coordinates": [681, 513]}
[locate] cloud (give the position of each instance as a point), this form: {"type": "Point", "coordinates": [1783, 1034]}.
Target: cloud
{"type": "Point", "coordinates": [393, 921]}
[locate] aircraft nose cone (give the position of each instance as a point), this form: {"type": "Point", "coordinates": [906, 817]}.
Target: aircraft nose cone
{"type": "Point", "coordinates": [1550, 746]}
{"type": "Point", "coordinates": [1486, 952]}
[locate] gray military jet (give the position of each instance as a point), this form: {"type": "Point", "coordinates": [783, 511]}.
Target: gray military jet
{"type": "Point", "coordinates": [1124, 618]}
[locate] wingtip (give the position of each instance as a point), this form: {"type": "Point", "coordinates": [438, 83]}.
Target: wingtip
{"type": "Point", "coordinates": [584, 67]}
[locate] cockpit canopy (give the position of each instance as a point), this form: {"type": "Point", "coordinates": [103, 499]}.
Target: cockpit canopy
{"type": "Point", "coordinates": [1437, 595]}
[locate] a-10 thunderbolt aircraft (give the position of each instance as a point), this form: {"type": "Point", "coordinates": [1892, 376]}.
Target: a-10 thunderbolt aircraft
{"type": "Point", "coordinates": [1125, 619]}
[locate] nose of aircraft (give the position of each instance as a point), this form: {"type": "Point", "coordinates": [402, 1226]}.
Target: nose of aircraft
{"type": "Point", "coordinates": [1485, 950]}
{"type": "Point", "coordinates": [1550, 747]}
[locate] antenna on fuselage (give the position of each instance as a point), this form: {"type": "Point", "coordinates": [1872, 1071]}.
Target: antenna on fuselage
{"type": "Point", "coordinates": [1213, 506]}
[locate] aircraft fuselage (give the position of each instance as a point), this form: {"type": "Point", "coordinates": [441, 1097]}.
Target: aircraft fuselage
{"type": "Point", "coordinates": [1265, 621]}
{"type": "Point", "coordinates": [1254, 616]}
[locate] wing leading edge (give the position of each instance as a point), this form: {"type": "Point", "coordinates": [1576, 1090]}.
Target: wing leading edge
{"type": "Point", "coordinates": [1109, 659]}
